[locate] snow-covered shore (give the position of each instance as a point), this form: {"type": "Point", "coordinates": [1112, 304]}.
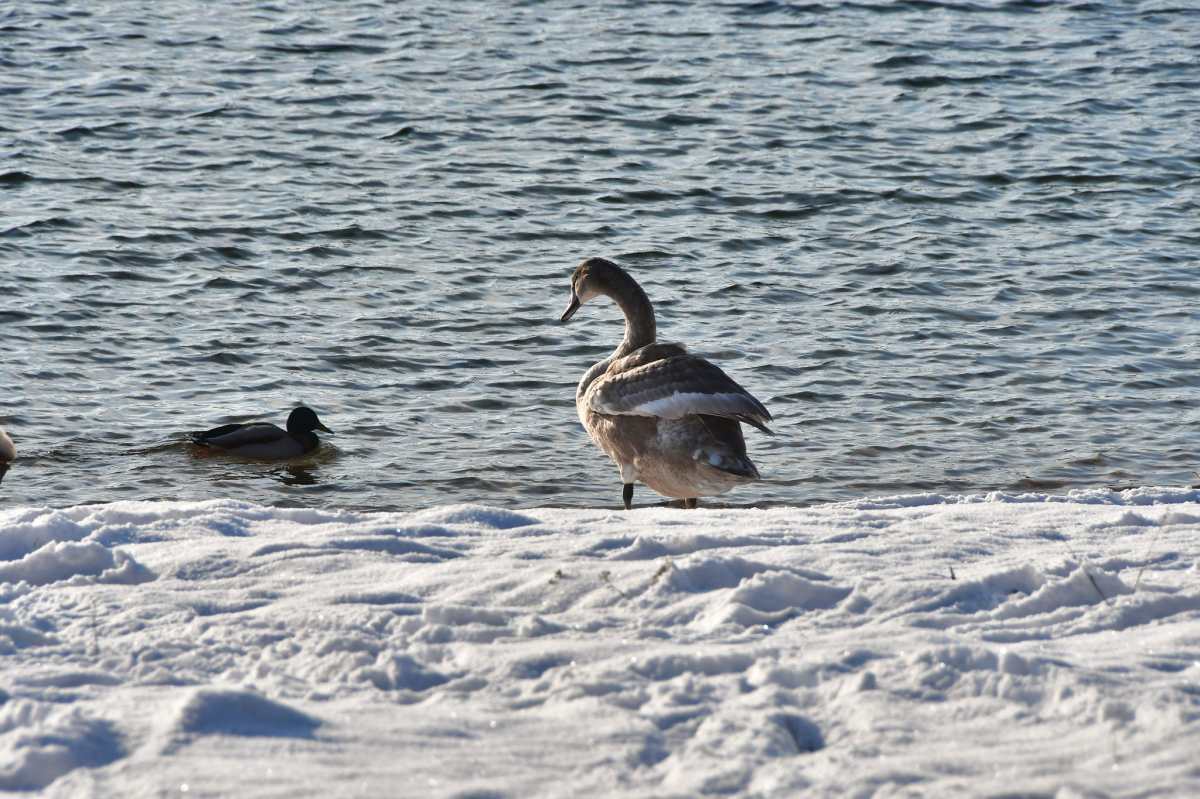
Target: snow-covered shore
{"type": "Point", "coordinates": [913, 645]}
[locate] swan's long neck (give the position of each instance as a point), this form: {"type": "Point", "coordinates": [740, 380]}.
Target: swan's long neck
{"type": "Point", "coordinates": [635, 305]}
{"type": "Point", "coordinates": [640, 329]}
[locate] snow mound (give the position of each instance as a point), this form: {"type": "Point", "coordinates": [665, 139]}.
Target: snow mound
{"type": "Point", "coordinates": [224, 711]}
{"type": "Point", "coordinates": [40, 742]}
{"type": "Point", "coordinates": [475, 515]}
{"type": "Point", "coordinates": [62, 561]}
{"type": "Point", "coordinates": [41, 546]}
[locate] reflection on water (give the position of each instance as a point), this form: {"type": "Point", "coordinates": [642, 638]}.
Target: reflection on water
{"type": "Point", "coordinates": [221, 468]}
{"type": "Point", "coordinates": [297, 476]}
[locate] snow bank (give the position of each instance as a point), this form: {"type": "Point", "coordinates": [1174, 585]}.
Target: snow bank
{"type": "Point", "coordinates": [909, 645]}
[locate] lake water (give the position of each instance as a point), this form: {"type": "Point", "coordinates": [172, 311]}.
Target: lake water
{"type": "Point", "coordinates": [951, 246]}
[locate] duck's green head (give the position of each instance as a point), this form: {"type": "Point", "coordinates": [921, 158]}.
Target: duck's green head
{"type": "Point", "coordinates": [304, 420]}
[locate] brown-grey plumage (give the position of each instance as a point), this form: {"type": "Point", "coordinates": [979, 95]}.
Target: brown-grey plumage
{"type": "Point", "coordinates": [263, 441]}
{"type": "Point", "coordinates": [8, 453]}
{"type": "Point", "coordinates": [668, 418]}
{"type": "Point", "coordinates": [669, 383]}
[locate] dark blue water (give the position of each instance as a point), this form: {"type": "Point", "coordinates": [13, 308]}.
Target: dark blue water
{"type": "Point", "coordinates": [951, 246]}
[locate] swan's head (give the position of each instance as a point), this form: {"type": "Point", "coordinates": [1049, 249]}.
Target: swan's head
{"type": "Point", "coordinates": [589, 280]}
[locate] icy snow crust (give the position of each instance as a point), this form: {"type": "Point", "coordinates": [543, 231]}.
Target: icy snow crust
{"type": "Point", "coordinates": [245, 651]}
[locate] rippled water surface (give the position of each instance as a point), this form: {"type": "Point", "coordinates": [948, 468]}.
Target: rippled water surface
{"type": "Point", "coordinates": [950, 245]}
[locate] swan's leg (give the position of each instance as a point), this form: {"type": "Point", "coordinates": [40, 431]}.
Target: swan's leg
{"type": "Point", "coordinates": [629, 475]}
{"type": "Point", "coordinates": [690, 502]}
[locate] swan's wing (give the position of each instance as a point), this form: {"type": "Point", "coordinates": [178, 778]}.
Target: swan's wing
{"type": "Point", "coordinates": [234, 436]}
{"type": "Point", "coordinates": [658, 351]}
{"type": "Point", "coordinates": [673, 387]}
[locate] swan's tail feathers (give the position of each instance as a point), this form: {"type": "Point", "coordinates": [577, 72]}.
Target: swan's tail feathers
{"type": "Point", "coordinates": [728, 462]}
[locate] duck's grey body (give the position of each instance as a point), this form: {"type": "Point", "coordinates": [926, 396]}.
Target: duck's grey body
{"type": "Point", "coordinates": [263, 441]}
{"type": "Point", "coordinates": [8, 453]}
{"type": "Point", "coordinates": [667, 418]}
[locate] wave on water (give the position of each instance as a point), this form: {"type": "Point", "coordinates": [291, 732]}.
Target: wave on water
{"type": "Point", "coordinates": [931, 237]}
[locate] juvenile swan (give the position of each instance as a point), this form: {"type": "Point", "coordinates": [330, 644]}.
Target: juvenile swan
{"type": "Point", "coordinates": [667, 418]}
{"type": "Point", "coordinates": [8, 453]}
{"type": "Point", "coordinates": [265, 442]}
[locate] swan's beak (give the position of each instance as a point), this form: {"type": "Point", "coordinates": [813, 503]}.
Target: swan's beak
{"type": "Point", "coordinates": [323, 428]}
{"type": "Point", "coordinates": [571, 308]}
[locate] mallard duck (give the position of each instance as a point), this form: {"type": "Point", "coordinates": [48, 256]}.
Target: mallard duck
{"type": "Point", "coordinates": [8, 453]}
{"type": "Point", "coordinates": [667, 418]}
{"type": "Point", "coordinates": [263, 441]}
